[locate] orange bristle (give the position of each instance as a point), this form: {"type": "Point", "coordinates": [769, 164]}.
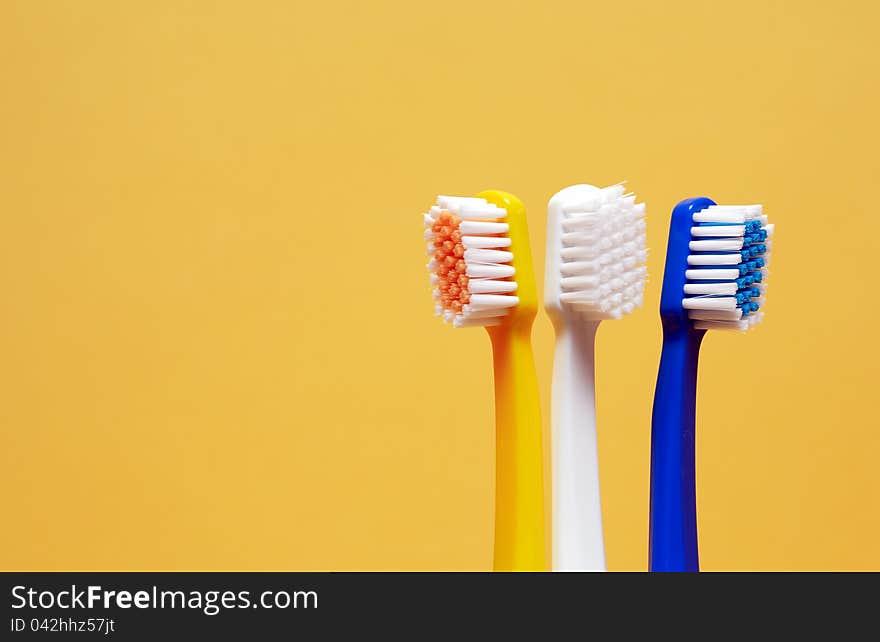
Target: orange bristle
{"type": "Point", "coordinates": [452, 284]}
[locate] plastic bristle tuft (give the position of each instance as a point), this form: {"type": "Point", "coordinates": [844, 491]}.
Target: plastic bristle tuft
{"type": "Point", "coordinates": [470, 265]}
{"type": "Point", "coordinates": [601, 253]}
{"type": "Point", "coordinates": [726, 279]}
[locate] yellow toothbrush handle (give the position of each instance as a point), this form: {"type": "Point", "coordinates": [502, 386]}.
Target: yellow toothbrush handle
{"type": "Point", "coordinates": [519, 473]}
{"type": "Point", "coordinates": [519, 463]}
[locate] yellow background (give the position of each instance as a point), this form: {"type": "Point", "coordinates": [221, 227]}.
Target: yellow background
{"type": "Point", "coordinates": [217, 348]}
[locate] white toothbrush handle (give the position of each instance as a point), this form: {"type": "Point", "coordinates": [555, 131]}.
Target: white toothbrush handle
{"type": "Point", "coordinates": [578, 544]}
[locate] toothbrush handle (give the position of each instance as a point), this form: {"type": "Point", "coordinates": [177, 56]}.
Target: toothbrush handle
{"type": "Point", "coordinates": [519, 476]}
{"type": "Point", "coordinates": [578, 544]}
{"type": "Point", "coordinates": [673, 520]}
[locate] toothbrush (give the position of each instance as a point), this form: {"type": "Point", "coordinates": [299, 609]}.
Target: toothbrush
{"type": "Point", "coordinates": [594, 270]}
{"type": "Point", "coordinates": [481, 270]}
{"type": "Point", "coordinates": [716, 272]}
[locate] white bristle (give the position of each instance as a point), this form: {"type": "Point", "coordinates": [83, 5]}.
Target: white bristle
{"type": "Point", "coordinates": [475, 251]}
{"type": "Point", "coordinates": [574, 283]}
{"type": "Point", "coordinates": [714, 259]}
{"type": "Point", "coordinates": [481, 213]}
{"type": "Point", "coordinates": [580, 221]}
{"type": "Point", "coordinates": [574, 268]}
{"type": "Point", "coordinates": [490, 271]}
{"type": "Point", "coordinates": [491, 301]}
{"type": "Point", "coordinates": [612, 193]}
{"type": "Point", "coordinates": [482, 242]}
{"type": "Point", "coordinates": [482, 227]}
{"type": "Point", "coordinates": [710, 288]}
{"type": "Point", "coordinates": [717, 230]}
{"type": "Point", "coordinates": [595, 252]}
{"type": "Point", "coordinates": [716, 245]}
{"type": "Point", "coordinates": [491, 286]}
{"type": "Point", "coordinates": [714, 298]}
{"type": "Point", "coordinates": [719, 217]}
{"type": "Point", "coordinates": [737, 214]}
{"type": "Point", "coordinates": [712, 274]}
{"type": "Point", "coordinates": [468, 208]}
{"type": "Point", "coordinates": [487, 256]}
{"type": "Point", "coordinates": [709, 303]}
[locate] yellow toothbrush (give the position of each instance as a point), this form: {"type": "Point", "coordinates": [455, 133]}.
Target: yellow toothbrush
{"type": "Point", "coordinates": [481, 270]}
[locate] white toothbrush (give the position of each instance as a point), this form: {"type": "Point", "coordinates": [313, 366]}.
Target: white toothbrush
{"type": "Point", "coordinates": [595, 270]}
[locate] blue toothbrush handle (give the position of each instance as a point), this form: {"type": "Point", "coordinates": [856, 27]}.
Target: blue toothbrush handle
{"type": "Point", "coordinates": [673, 520]}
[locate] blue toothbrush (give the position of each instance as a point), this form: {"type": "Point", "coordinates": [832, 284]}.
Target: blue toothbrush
{"type": "Point", "coordinates": [715, 278]}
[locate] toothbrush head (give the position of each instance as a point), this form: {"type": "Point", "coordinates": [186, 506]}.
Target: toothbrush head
{"type": "Point", "coordinates": [716, 266]}
{"type": "Point", "coordinates": [595, 253]}
{"type": "Point", "coordinates": [480, 265]}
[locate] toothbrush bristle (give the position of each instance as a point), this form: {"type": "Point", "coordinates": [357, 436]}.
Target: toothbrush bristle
{"type": "Point", "coordinates": [470, 264]}
{"type": "Point", "coordinates": [726, 279]}
{"type": "Point", "coordinates": [602, 266]}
